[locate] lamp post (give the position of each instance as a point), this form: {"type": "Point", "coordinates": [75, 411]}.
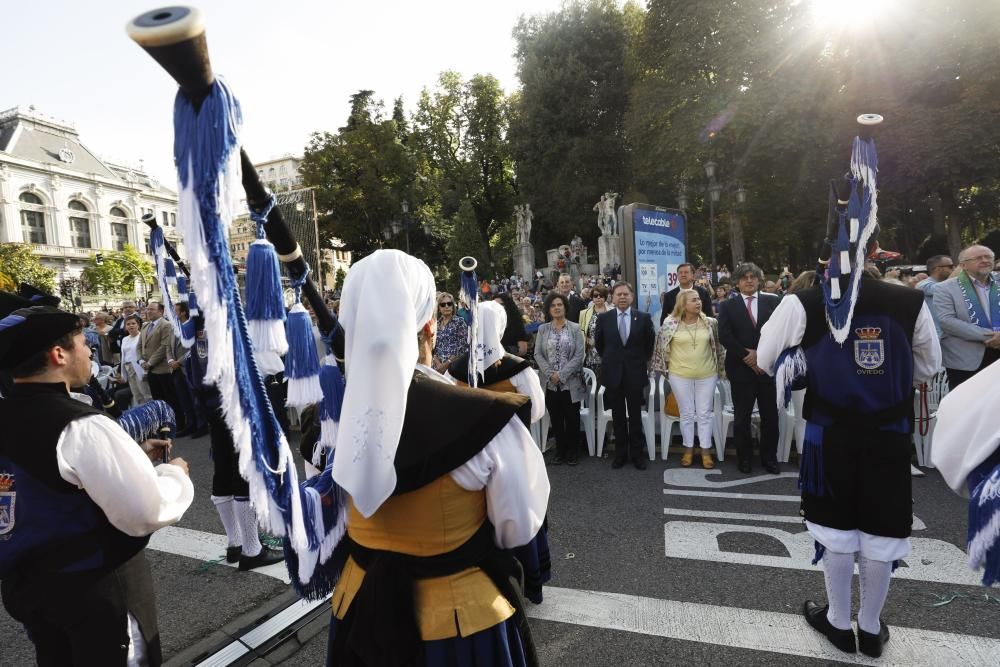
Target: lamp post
{"type": "Point", "coordinates": [99, 260]}
{"type": "Point", "coordinates": [713, 189]}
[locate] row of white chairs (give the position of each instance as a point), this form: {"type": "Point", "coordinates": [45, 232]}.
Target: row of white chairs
{"type": "Point", "coordinates": [595, 416]}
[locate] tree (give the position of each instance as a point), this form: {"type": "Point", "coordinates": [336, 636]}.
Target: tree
{"type": "Point", "coordinates": [461, 131]}
{"type": "Point", "coordinates": [568, 132]}
{"type": "Point", "coordinates": [19, 265]}
{"type": "Point", "coordinates": [338, 280]}
{"type": "Point", "coordinates": [117, 272]}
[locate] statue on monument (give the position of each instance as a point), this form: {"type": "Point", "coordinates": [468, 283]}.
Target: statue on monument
{"type": "Point", "coordinates": [607, 221]}
{"type": "Point", "coordinates": [523, 214]}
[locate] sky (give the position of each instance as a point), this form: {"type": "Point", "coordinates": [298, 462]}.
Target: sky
{"type": "Point", "coordinates": [292, 63]}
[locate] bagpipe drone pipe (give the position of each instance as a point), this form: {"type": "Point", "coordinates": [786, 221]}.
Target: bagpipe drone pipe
{"type": "Point", "coordinates": [208, 156]}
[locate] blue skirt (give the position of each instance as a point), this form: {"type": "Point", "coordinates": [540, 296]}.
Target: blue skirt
{"type": "Point", "coordinates": [499, 646]}
{"type": "Point", "coordinates": [536, 562]}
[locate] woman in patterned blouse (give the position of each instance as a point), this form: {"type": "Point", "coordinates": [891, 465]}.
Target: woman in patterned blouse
{"type": "Point", "coordinates": [452, 334]}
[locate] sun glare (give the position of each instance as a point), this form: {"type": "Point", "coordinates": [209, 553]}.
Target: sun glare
{"type": "Point", "coordinates": [848, 10]}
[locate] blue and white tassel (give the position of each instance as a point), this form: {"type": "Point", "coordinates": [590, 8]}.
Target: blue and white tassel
{"type": "Point", "coordinates": [154, 419]}
{"type": "Point", "coordinates": [166, 277]}
{"type": "Point", "coordinates": [984, 527]}
{"type": "Point", "coordinates": [265, 304]}
{"type": "Point", "coordinates": [331, 381]}
{"type": "Point", "coordinates": [302, 360]}
{"type": "Point", "coordinates": [468, 296]}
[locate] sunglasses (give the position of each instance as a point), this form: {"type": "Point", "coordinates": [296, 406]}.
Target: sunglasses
{"type": "Point", "coordinates": [447, 304]}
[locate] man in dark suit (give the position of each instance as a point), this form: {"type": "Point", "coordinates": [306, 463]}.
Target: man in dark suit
{"type": "Point", "coordinates": [685, 280]}
{"type": "Point", "coordinates": [624, 339]}
{"type": "Point", "coordinates": [565, 287]}
{"type": "Point", "coordinates": [740, 322]}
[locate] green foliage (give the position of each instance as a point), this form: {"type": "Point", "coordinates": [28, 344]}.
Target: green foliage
{"type": "Point", "coordinates": [18, 264]}
{"type": "Point", "coordinates": [338, 280]}
{"type": "Point", "coordinates": [568, 134]}
{"type": "Point", "coordinates": [117, 273]}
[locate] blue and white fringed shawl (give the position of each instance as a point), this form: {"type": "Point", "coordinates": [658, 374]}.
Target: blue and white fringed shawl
{"type": "Point", "coordinates": [206, 150]}
{"type": "Point", "coordinates": [984, 527]}
{"type": "Point", "coordinates": [154, 419]}
{"type": "Point", "coordinates": [847, 256]}
{"type": "Point", "coordinates": [166, 276]}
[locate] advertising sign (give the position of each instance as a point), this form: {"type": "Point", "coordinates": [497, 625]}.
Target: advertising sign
{"type": "Point", "coordinates": [655, 243]}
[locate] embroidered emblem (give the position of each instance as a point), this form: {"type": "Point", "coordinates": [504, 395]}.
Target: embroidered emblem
{"type": "Point", "coordinates": [869, 348]}
{"type": "Point", "coordinates": [7, 498]}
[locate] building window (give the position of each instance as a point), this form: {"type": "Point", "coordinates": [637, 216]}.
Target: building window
{"type": "Point", "coordinates": [32, 219]}
{"type": "Point", "coordinates": [173, 219]}
{"type": "Point", "coordinates": [79, 226]}
{"type": "Point", "coordinates": [117, 212]}
{"type": "Point", "coordinates": [166, 218]}
{"type": "Point", "coordinates": [119, 235]}
{"type": "Point", "coordinates": [148, 250]}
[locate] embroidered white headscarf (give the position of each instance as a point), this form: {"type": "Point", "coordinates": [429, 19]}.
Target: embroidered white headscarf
{"type": "Point", "coordinates": [387, 297]}
{"type": "Point", "coordinates": [492, 323]}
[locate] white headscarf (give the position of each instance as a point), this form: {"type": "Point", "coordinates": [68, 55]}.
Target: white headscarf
{"type": "Point", "coordinates": [492, 323]}
{"type": "Point", "coordinates": [387, 297]}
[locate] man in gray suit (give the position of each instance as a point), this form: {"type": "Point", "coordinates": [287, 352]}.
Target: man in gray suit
{"type": "Point", "coordinates": [156, 343]}
{"type": "Point", "coordinates": [968, 310]}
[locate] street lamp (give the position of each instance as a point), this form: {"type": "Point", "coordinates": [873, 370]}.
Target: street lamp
{"type": "Point", "coordinates": [714, 191]}
{"type": "Point", "coordinates": [99, 260]}
{"type": "Point", "coordinates": [403, 225]}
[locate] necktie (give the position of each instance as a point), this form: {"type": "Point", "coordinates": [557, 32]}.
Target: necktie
{"type": "Point", "coordinates": [622, 331]}
{"type": "Point", "coordinates": [750, 310]}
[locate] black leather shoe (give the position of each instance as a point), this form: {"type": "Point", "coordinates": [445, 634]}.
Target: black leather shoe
{"type": "Point", "coordinates": [871, 644]}
{"type": "Point", "coordinates": [267, 556]}
{"type": "Point", "coordinates": [639, 463]}
{"type": "Point", "coordinates": [816, 617]}
{"type": "Point", "coordinates": [772, 467]}
{"type": "Point", "coordinates": [617, 463]}
{"type": "Point", "coordinates": [744, 467]}
{"type": "Point", "coordinates": [233, 554]}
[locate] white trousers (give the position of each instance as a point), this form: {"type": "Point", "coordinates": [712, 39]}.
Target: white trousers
{"type": "Point", "coordinates": [695, 401]}
{"type": "Point", "coordinates": [140, 388]}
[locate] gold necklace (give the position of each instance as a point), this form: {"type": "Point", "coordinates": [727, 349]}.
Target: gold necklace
{"type": "Point", "coordinates": [691, 331]}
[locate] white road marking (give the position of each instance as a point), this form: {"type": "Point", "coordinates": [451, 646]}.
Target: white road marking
{"type": "Point", "coordinates": [738, 496]}
{"type": "Point", "coordinates": [930, 560]}
{"type": "Point", "coordinates": [699, 478]}
{"type": "Point", "coordinates": [761, 518]}
{"type": "Point", "coordinates": [752, 629]}
{"type": "Point", "coordinates": [206, 547]}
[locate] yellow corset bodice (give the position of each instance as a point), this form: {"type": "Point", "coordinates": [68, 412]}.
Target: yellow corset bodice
{"type": "Point", "coordinates": [434, 519]}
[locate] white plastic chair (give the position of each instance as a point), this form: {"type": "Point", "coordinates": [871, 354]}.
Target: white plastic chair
{"type": "Point", "coordinates": [667, 421]}
{"type": "Point", "coordinates": [587, 410]}
{"type": "Point", "coordinates": [649, 420]}
{"type": "Point", "coordinates": [724, 416]}
{"type": "Point", "coordinates": [603, 418]}
{"type": "Point", "coordinates": [786, 431]}
{"type": "Point", "coordinates": [937, 388]}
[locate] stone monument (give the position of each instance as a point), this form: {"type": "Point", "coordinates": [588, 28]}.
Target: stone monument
{"type": "Point", "coordinates": [524, 253]}
{"type": "Point", "coordinates": [609, 245]}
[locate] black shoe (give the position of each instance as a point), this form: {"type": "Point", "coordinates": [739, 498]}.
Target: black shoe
{"type": "Point", "coordinates": [199, 432]}
{"type": "Point", "coordinates": [617, 463]}
{"type": "Point", "coordinates": [233, 554]}
{"type": "Point", "coordinates": [556, 460]}
{"type": "Point", "coordinates": [267, 556]}
{"type": "Point", "coordinates": [816, 617]}
{"type": "Point", "coordinates": [639, 463]}
{"type": "Point", "coordinates": [772, 467]}
{"type": "Point", "coordinates": [572, 461]}
{"type": "Point", "coordinates": [871, 644]}
{"type": "Point", "coordinates": [744, 467]}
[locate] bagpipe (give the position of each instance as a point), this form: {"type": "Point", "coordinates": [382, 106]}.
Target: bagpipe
{"type": "Point", "coordinates": [468, 296]}
{"type": "Point", "coordinates": [211, 167]}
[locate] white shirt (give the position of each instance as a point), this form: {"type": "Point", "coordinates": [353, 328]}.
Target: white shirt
{"type": "Point", "coordinates": [130, 349]}
{"type": "Point", "coordinates": [787, 325]}
{"type": "Point", "coordinates": [753, 306]}
{"type": "Point", "coordinates": [512, 471]}
{"type": "Point", "coordinates": [96, 455]}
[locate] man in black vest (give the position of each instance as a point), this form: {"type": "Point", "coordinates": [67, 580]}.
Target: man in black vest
{"type": "Point", "coordinates": [740, 321]}
{"type": "Point", "coordinates": [79, 501]}
{"type": "Point", "coordinates": [625, 339]}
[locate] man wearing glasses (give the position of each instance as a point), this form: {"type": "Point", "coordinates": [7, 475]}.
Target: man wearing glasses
{"type": "Point", "coordinates": [939, 269]}
{"type": "Point", "coordinates": [968, 309]}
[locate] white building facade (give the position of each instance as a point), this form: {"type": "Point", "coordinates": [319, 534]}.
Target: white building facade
{"type": "Point", "coordinates": [60, 197]}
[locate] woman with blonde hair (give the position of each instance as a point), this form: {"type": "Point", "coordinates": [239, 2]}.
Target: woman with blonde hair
{"type": "Point", "coordinates": [688, 352]}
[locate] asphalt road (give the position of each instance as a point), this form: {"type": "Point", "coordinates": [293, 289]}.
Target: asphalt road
{"type": "Point", "coordinates": [729, 592]}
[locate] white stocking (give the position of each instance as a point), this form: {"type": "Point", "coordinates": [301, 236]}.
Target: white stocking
{"type": "Point", "coordinates": [248, 527]}
{"type": "Point", "coordinates": [838, 570]}
{"type": "Point", "coordinates": [875, 575]}
{"type": "Point", "coordinates": [225, 507]}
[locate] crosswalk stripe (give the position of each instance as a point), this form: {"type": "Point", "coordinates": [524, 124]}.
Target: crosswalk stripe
{"type": "Point", "coordinates": [206, 547]}
{"type": "Point", "coordinates": [752, 629]}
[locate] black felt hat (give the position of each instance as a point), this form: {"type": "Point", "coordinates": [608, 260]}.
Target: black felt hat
{"type": "Point", "coordinates": [9, 302]}
{"type": "Point", "coordinates": [36, 296]}
{"type": "Point", "coordinates": [29, 330]}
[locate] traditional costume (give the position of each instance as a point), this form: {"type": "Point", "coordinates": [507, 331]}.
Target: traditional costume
{"type": "Point", "coordinates": [441, 481]}
{"type": "Point", "coordinates": [78, 501]}
{"type": "Point", "coordinates": [967, 452]}
{"type": "Point", "coordinates": [861, 345]}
